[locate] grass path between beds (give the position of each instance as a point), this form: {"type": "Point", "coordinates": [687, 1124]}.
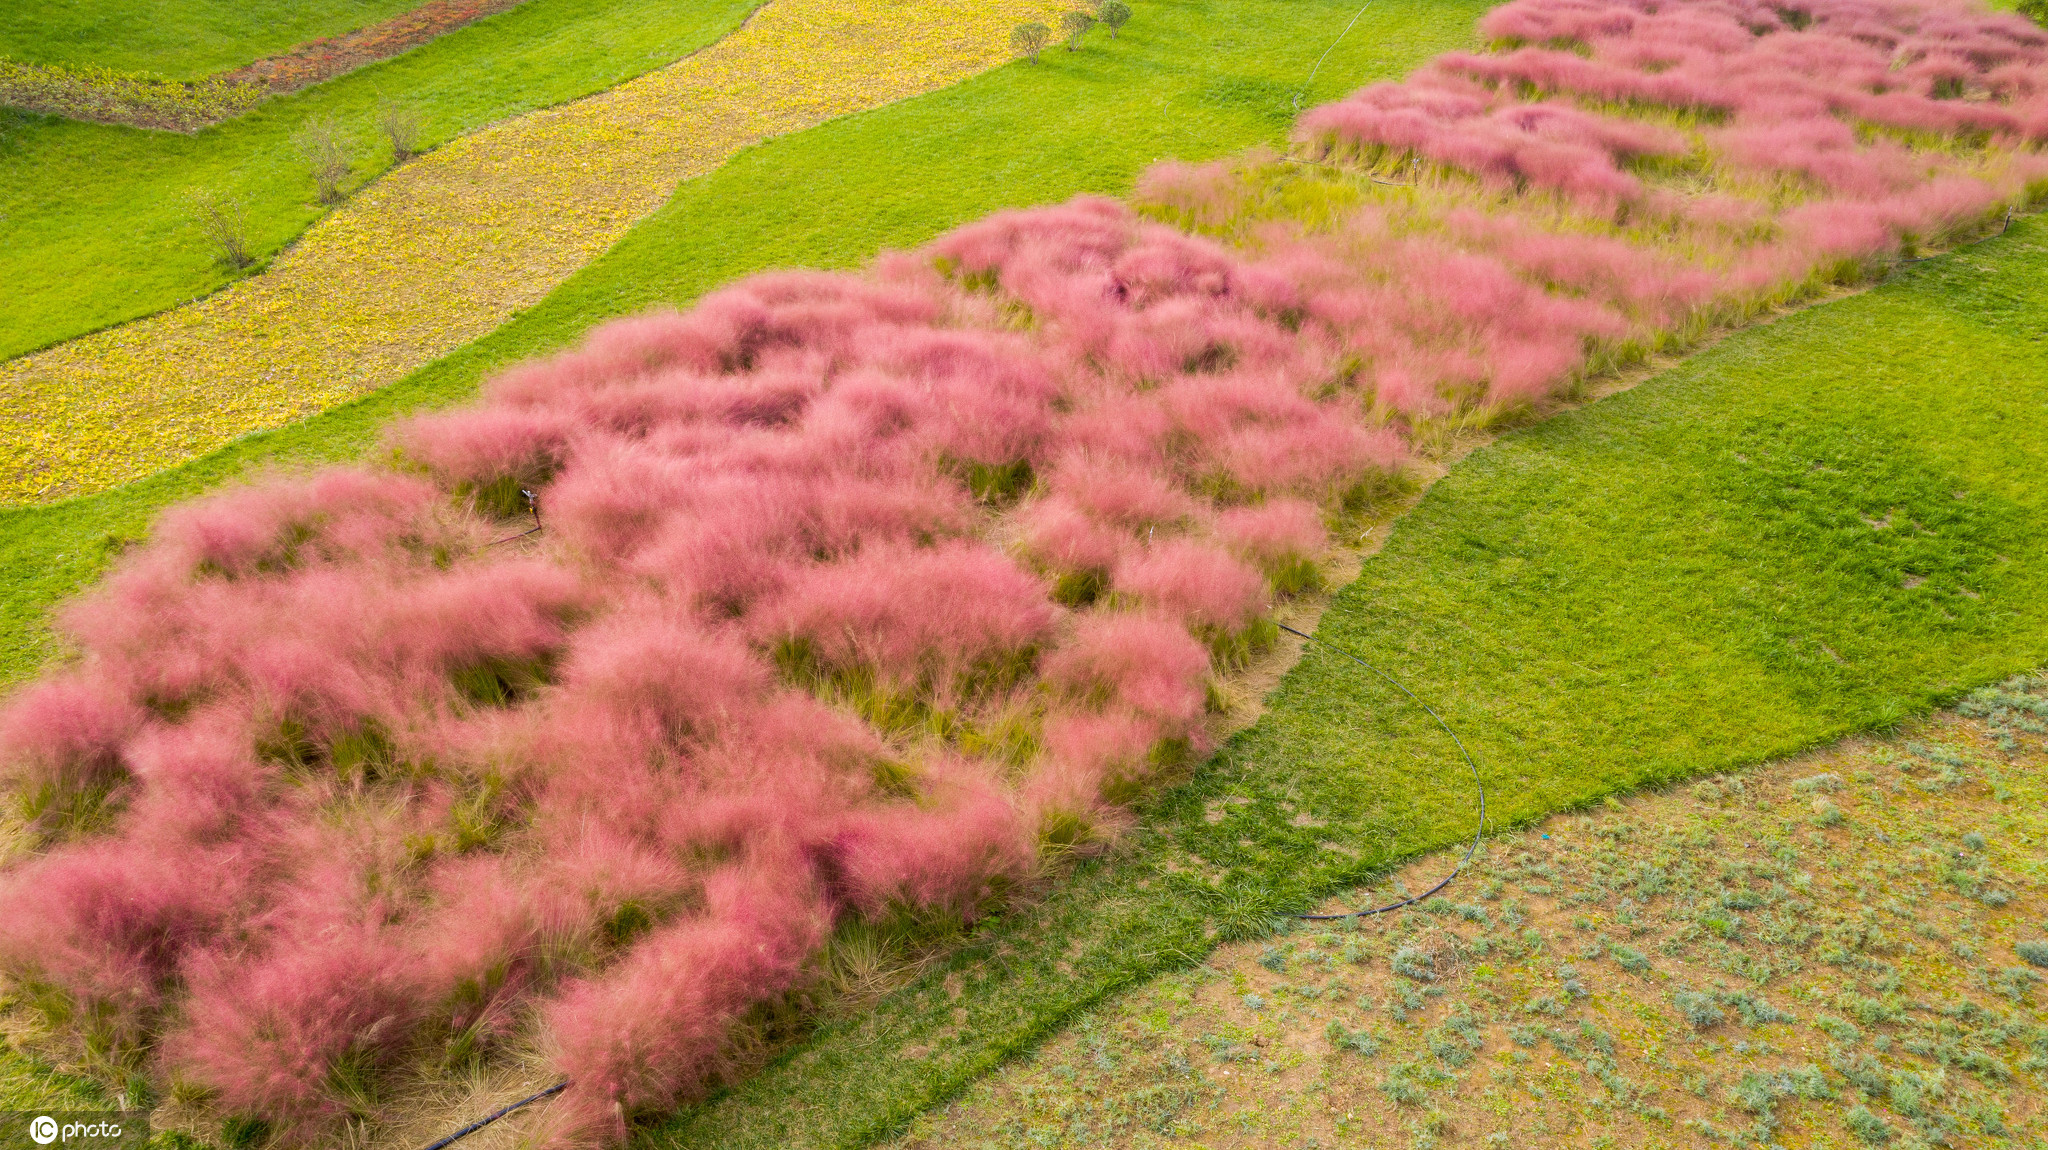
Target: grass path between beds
{"type": "Point", "coordinates": [1814, 528]}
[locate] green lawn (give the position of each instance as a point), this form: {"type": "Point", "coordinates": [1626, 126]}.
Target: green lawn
{"type": "Point", "coordinates": [95, 221]}
{"type": "Point", "coordinates": [1674, 580]}
{"type": "Point", "coordinates": [1679, 579]}
{"type": "Point", "coordinates": [1189, 78]}
{"type": "Point", "coordinates": [176, 39]}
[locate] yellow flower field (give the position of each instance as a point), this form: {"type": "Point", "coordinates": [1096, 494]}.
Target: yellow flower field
{"type": "Point", "coordinates": [445, 249]}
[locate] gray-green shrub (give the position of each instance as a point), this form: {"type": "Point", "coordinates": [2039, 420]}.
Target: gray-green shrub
{"type": "Point", "coordinates": [1115, 14]}
{"type": "Point", "coordinates": [325, 148]}
{"type": "Point", "coordinates": [225, 224]}
{"type": "Point", "coordinates": [1029, 39]}
{"type": "Point", "coordinates": [1074, 25]}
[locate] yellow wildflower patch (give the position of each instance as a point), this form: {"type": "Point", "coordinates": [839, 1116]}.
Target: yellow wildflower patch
{"type": "Point", "coordinates": [447, 248]}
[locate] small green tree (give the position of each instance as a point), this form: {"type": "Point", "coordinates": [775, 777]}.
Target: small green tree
{"type": "Point", "coordinates": [1075, 25]}
{"type": "Point", "coordinates": [1116, 14]}
{"type": "Point", "coordinates": [1029, 40]}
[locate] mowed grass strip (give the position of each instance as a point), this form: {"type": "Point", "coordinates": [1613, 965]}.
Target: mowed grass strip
{"type": "Point", "coordinates": [1816, 527]}
{"type": "Point", "coordinates": [450, 246]}
{"type": "Point", "coordinates": [1189, 78]}
{"type": "Point", "coordinates": [96, 222]}
{"type": "Point", "coordinates": [176, 39]}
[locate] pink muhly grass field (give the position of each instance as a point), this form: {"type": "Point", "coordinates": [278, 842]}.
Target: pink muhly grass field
{"type": "Point", "coordinates": [857, 591]}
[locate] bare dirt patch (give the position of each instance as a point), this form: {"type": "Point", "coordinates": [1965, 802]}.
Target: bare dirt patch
{"type": "Point", "coordinates": [318, 60]}
{"type": "Point", "coordinates": [1836, 950]}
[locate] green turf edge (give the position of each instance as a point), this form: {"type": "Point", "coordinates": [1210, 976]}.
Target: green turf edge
{"type": "Point", "coordinates": [1637, 580]}
{"type": "Point", "coordinates": [96, 227]}
{"type": "Point", "coordinates": [1187, 78]}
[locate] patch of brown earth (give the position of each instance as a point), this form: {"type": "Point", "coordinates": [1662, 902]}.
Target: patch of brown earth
{"type": "Point", "coordinates": [1841, 950]}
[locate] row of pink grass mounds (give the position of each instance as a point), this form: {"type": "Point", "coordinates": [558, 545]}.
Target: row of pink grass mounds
{"type": "Point", "coordinates": [857, 590]}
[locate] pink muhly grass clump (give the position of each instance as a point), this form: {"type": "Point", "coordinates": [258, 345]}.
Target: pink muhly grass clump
{"type": "Point", "coordinates": [200, 783]}
{"type": "Point", "coordinates": [1063, 538]}
{"type": "Point", "coordinates": [651, 1031]}
{"type": "Point", "coordinates": [515, 610]}
{"type": "Point", "coordinates": [1129, 497]}
{"type": "Point", "coordinates": [1141, 661]}
{"type": "Point", "coordinates": [63, 735]}
{"type": "Point", "coordinates": [1118, 428]}
{"type": "Point", "coordinates": [1324, 455]}
{"type": "Point", "coordinates": [1105, 758]}
{"type": "Point", "coordinates": [1284, 537]}
{"type": "Point", "coordinates": [1194, 582]}
{"type": "Point", "coordinates": [316, 977]}
{"type": "Point", "coordinates": [596, 870]}
{"type": "Point", "coordinates": [489, 935]}
{"type": "Point", "coordinates": [267, 1035]}
{"type": "Point", "coordinates": [1656, 288]}
{"type": "Point", "coordinates": [1552, 146]}
{"type": "Point", "coordinates": [1200, 196]}
{"type": "Point", "coordinates": [950, 857]}
{"type": "Point", "coordinates": [1087, 231]}
{"type": "Point", "coordinates": [477, 447]}
{"type": "Point", "coordinates": [1825, 150]}
{"type": "Point", "coordinates": [1262, 436]}
{"type": "Point", "coordinates": [917, 616]}
{"type": "Point", "coordinates": [109, 923]}
{"type": "Point", "coordinates": [655, 682]}
{"type": "Point", "coordinates": [268, 529]}
{"type": "Point", "coordinates": [797, 769]}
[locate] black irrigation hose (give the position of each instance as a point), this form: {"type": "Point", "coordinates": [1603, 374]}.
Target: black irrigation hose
{"type": "Point", "coordinates": [500, 1112]}
{"type": "Point", "coordinates": [1478, 831]}
{"type": "Point", "coordinates": [533, 505]}
{"type": "Point", "coordinates": [1303, 90]}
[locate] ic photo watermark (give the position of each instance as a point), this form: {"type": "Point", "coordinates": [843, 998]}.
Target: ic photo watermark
{"type": "Point", "coordinates": [74, 1129]}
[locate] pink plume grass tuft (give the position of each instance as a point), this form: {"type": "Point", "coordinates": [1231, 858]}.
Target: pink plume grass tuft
{"type": "Point", "coordinates": [1199, 584]}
